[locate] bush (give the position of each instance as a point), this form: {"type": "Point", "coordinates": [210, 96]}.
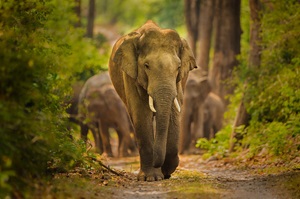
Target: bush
{"type": "Point", "coordinates": [272, 94]}
{"type": "Point", "coordinates": [217, 146]}
{"type": "Point", "coordinates": [273, 97]}
{"type": "Point", "coordinates": [41, 54]}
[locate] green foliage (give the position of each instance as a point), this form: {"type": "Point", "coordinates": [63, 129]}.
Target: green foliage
{"type": "Point", "coordinates": [277, 138]}
{"type": "Point", "coordinates": [273, 96]}
{"type": "Point", "coordinates": [218, 145]}
{"type": "Point", "coordinates": [41, 55]}
{"type": "Point", "coordinates": [245, 25]}
{"type": "Point", "coordinates": [133, 13]}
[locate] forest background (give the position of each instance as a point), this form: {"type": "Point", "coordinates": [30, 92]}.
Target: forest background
{"type": "Point", "coordinates": [45, 48]}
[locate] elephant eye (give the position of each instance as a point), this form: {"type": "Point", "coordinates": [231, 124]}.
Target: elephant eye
{"type": "Point", "coordinates": [146, 65]}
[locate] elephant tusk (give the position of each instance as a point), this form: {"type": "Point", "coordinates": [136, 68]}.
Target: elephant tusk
{"type": "Point", "coordinates": [177, 105]}
{"type": "Point", "coordinates": [151, 104]}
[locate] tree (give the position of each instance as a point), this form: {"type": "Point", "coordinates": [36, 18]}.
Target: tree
{"type": "Point", "coordinates": [205, 32]}
{"type": "Point", "coordinates": [199, 20]}
{"type": "Point", "coordinates": [227, 46]}
{"type": "Point", "coordinates": [41, 53]}
{"type": "Point", "coordinates": [192, 12]}
{"type": "Point", "coordinates": [91, 18]}
{"type": "Point", "coordinates": [243, 117]}
{"type": "Point", "coordinates": [77, 9]}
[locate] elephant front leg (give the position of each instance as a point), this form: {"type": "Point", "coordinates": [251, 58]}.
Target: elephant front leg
{"type": "Point", "coordinates": [97, 138]}
{"type": "Point", "coordinates": [142, 117]}
{"type": "Point", "coordinates": [104, 133]}
{"type": "Point", "coordinates": [172, 159]}
{"type": "Point", "coordinates": [142, 121]}
{"type": "Point", "coordinates": [145, 138]}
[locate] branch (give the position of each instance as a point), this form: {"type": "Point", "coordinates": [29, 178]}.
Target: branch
{"type": "Point", "coordinates": [107, 168]}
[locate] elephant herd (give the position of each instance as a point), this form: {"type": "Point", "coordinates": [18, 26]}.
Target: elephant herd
{"type": "Point", "coordinates": [96, 106]}
{"type": "Point", "coordinates": [142, 99]}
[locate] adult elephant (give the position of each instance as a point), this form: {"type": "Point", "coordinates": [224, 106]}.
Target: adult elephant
{"type": "Point", "coordinates": [148, 68]}
{"type": "Point", "coordinates": [192, 118]}
{"type": "Point", "coordinates": [101, 108]}
{"type": "Point", "coordinates": [214, 109]}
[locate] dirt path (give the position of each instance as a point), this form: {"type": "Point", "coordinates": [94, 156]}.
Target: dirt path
{"type": "Point", "coordinates": [196, 178]}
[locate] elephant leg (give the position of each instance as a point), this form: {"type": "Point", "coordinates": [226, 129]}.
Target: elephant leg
{"type": "Point", "coordinates": [83, 132]}
{"type": "Point", "coordinates": [214, 130]}
{"type": "Point", "coordinates": [122, 147]}
{"type": "Point", "coordinates": [198, 123]}
{"type": "Point", "coordinates": [172, 159]}
{"type": "Point", "coordinates": [98, 142]}
{"type": "Point", "coordinates": [145, 145]}
{"type": "Point", "coordinates": [145, 141]}
{"type": "Point", "coordinates": [207, 129]}
{"type": "Point", "coordinates": [141, 116]}
{"type": "Point", "coordinates": [132, 147]}
{"type": "Point", "coordinates": [104, 133]}
{"type": "Point", "coordinates": [185, 136]}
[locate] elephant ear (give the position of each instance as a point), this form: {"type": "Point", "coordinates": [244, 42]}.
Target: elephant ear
{"type": "Point", "coordinates": [126, 55]}
{"type": "Point", "coordinates": [188, 61]}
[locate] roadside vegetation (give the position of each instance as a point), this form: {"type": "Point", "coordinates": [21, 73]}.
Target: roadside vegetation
{"type": "Point", "coordinates": [42, 54]}
{"type": "Point", "coordinates": [272, 96]}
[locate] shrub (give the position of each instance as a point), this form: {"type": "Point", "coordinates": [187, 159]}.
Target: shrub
{"type": "Point", "coordinates": [41, 54]}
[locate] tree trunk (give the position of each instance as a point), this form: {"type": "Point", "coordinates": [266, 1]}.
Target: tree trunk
{"type": "Point", "coordinates": [192, 12]}
{"type": "Point", "coordinates": [255, 39]}
{"type": "Point", "coordinates": [242, 117]}
{"type": "Point", "coordinates": [227, 46]}
{"type": "Point", "coordinates": [205, 31]}
{"type": "Point", "coordinates": [91, 18]}
{"type": "Point", "coordinates": [77, 10]}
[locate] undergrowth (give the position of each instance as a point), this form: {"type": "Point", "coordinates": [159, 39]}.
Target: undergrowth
{"type": "Point", "coordinates": [272, 94]}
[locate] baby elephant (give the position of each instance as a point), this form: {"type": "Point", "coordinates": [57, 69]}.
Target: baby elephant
{"type": "Point", "coordinates": [101, 108]}
{"type": "Point", "coordinates": [213, 115]}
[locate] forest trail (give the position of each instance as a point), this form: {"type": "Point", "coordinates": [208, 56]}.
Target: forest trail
{"type": "Point", "coordinates": [194, 178]}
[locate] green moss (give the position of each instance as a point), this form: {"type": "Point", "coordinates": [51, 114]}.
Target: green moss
{"type": "Point", "coordinates": [192, 184]}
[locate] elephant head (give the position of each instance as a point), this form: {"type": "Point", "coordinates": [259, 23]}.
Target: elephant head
{"type": "Point", "coordinates": [197, 87]}
{"type": "Point", "coordinates": [159, 61]}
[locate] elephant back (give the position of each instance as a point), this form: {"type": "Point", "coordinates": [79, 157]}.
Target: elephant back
{"type": "Point", "coordinates": [99, 80]}
{"type": "Point", "coordinates": [91, 90]}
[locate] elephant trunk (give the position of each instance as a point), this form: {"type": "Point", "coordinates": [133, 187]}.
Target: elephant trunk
{"type": "Point", "coordinates": [163, 104]}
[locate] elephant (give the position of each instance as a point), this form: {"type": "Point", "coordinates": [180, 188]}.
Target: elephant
{"type": "Point", "coordinates": [149, 68]}
{"type": "Point", "coordinates": [214, 109]}
{"type": "Point", "coordinates": [101, 108]}
{"type": "Point", "coordinates": [196, 91]}
{"type": "Point", "coordinates": [72, 109]}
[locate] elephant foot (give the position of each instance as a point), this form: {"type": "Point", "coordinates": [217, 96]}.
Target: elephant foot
{"type": "Point", "coordinates": [151, 175]}
{"type": "Point", "coordinates": [167, 176]}
{"type": "Point", "coordinates": [170, 166]}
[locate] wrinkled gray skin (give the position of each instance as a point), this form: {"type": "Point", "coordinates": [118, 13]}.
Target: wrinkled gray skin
{"type": "Point", "coordinates": [101, 108]}
{"type": "Point", "coordinates": [192, 118]}
{"type": "Point", "coordinates": [213, 115]}
{"type": "Point", "coordinates": [152, 64]}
